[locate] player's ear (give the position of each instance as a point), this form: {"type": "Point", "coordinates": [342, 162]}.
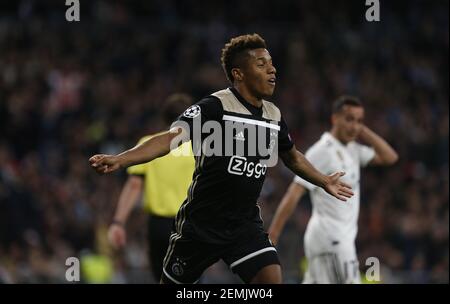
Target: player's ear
{"type": "Point", "coordinates": [334, 118]}
{"type": "Point", "coordinates": [237, 74]}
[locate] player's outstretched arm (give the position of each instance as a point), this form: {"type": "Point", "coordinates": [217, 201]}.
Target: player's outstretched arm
{"type": "Point", "coordinates": [155, 147]}
{"type": "Point", "coordinates": [285, 210]}
{"type": "Point", "coordinates": [332, 184]}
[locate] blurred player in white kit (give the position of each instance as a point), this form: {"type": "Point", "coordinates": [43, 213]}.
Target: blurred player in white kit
{"type": "Point", "coordinates": [329, 240]}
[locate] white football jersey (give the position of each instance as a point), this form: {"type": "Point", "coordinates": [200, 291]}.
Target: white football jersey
{"type": "Point", "coordinates": [334, 221]}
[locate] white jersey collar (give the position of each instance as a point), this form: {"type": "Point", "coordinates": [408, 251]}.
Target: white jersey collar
{"type": "Point", "coordinates": [334, 140]}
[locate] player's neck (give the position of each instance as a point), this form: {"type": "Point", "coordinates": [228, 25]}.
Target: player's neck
{"type": "Point", "coordinates": [251, 99]}
{"type": "Point", "coordinates": [334, 133]}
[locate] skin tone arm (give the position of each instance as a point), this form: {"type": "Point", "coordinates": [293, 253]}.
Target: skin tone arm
{"type": "Point", "coordinates": [384, 154]}
{"type": "Point", "coordinates": [153, 148]}
{"type": "Point", "coordinates": [298, 164]}
{"type": "Point", "coordinates": [127, 200]}
{"type": "Point", "coordinates": [285, 210]}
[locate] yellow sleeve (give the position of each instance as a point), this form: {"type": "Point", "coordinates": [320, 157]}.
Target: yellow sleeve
{"type": "Point", "coordinates": [141, 168]}
{"type": "Point", "coordinates": [137, 169]}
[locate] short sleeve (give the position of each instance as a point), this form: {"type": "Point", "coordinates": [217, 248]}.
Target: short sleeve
{"type": "Point", "coordinates": [284, 139]}
{"type": "Point", "coordinates": [209, 108]}
{"type": "Point", "coordinates": [365, 154]}
{"type": "Point", "coordinates": [320, 160]}
{"type": "Point", "coordinates": [137, 169]}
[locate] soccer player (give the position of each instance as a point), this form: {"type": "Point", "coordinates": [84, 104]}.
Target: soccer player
{"type": "Point", "coordinates": [165, 182]}
{"type": "Point", "coordinates": [329, 240]}
{"type": "Point", "coordinates": [220, 218]}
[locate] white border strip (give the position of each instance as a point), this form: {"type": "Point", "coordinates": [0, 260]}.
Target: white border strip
{"type": "Point", "coordinates": [251, 255]}
{"type": "Point", "coordinates": [251, 121]}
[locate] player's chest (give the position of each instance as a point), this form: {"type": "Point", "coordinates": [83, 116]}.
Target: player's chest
{"type": "Point", "coordinates": [344, 160]}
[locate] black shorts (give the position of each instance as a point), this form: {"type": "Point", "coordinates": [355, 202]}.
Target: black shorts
{"type": "Point", "coordinates": [186, 259]}
{"type": "Point", "coordinates": [159, 229]}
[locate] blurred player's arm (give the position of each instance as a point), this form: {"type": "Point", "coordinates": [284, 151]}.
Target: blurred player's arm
{"type": "Point", "coordinates": [285, 210]}
{"type": "Point", "coordinates": [155, 147]}
{"type": "Point", "coordinates": [384, 154]}
{"type": "Point", "coordinates": [131, 191]}
{"type": "Point", "coordinates": [297, 162]}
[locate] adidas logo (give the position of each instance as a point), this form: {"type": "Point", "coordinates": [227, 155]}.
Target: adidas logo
{"type": "Point", "coordinates": [240, 136]}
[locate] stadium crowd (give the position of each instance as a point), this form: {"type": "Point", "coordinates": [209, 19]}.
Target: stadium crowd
{"type": "Point", "coordinates": [70, 89]}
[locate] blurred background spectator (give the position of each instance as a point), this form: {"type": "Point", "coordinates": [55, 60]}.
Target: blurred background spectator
{"type": "Point", "coordinates": [70, 89]}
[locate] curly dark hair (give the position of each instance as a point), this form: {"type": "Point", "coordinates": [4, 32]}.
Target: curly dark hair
{"type": "Point", "coordinates": [235, 51]}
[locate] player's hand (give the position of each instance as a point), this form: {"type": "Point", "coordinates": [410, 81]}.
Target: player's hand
{"type": "Point", "coordinates": [117, 236]}
{"type": "Point", "coordinates": [363, 133]}
{"type": "Point", "coordinates": [338, 189]}
{"type": "Point", "coordinates": [104, 163]}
